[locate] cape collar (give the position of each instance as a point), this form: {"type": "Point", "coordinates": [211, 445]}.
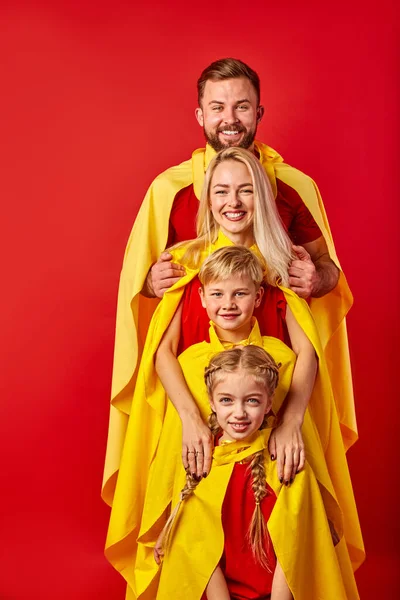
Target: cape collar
{"type": "Point", "coordinates": [218, 345]}
{"type": "Point", "coordinates": [237, 451]}
{"type": "Point", "coordinates": [202, 157]}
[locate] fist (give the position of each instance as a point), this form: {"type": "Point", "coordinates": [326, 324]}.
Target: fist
{"type": "Point", "coordinates": [302, 273]}
{"type": "Point", "coordinates": [164, 273]}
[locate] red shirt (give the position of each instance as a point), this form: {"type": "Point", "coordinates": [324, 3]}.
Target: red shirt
{"type": "Point", "coordinates": [271, 316]}
{"type": "Point", "coordinates": [295, 216]}
{"type": "Point", "coordinates": [246, 578]}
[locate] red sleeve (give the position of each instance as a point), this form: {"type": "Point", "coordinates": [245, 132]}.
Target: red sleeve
{"type": "Point", "coordinates": [296, 217]}
{"type": "Point", "coordinates": [182, 220]}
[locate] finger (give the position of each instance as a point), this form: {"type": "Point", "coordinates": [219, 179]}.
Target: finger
{"type": "Point", "coordinates": [208, 448]}
{"type": "Point", "coordinates": [156, 556]}
{"type": "Point", "coordinates": [296, 272]}
{"type": "Point", "coordinates": [165, 256]}
{"type": "Point", "coordinates": [302, 460]}
{"type": "Point", "coordinates": [185, 457]}
{"type": "Point", "coordinates": [165, 284]}
{"type": "Point", "coordinates": [167, 270]}
{"type": "Point", "coordinates": [272, 446]}
{"type": "Point", "coordinates": [280, 465]}
{"type": "Point", "coordinates": [296, 460]}
{"type": "Point", "coordinates": [301, 292]}
{"type": "Point", "coordinates": [199, 460]}
{"type": "Point", "coordinates": [192, 462]}
{"type": "Point", "coordinates": [287, 472]}
{"type": "Point", "coordinates": [301, 252]}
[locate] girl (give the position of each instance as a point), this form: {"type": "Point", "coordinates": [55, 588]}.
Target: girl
{"type": "Point", "coordinates": [236, 555]}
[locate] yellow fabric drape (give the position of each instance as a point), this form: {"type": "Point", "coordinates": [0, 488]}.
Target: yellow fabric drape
{"type": "Point", "coordinates": [146, 242]}
{"type": "Point", "coordinates": [298, 528]}
{"type": "Point", "coordinates": [145, 483]}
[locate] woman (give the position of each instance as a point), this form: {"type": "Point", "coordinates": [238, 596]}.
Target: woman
{"type": "Point", "coordinates": [251, 218]}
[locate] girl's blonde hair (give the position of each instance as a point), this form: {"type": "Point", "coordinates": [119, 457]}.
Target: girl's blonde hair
{"type": "Point", "coordinates": [268, 231]}
{"type": "Point", "coordinates": [255, 361]}
{"type": "Point", "coordinates": [232, 261]}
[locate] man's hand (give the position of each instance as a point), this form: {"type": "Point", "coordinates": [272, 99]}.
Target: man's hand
{"type": "Point", "coordinates": [303, 277]}
{"type": "Point", "coordinates": [162, 275]}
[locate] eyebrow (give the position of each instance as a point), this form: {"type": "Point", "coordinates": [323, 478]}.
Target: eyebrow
{"type": "Point", "coordinates": [239, 289]}
{"type": "Point", "coordinates": [224, 185]}
{"type": "Point", "coordinates": [238, 102]}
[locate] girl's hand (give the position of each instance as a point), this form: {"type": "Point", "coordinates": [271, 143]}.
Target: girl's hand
{"type": "Point", "coordinates": [197, 446]}
{"type": "Point", "coordinates": [286, 446]}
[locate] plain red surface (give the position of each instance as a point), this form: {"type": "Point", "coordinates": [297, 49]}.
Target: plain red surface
{"type": "Point", "coordinates": [97, 98]}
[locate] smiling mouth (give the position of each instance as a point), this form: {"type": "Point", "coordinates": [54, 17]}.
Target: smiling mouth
{"type": "Point", "coordinates": [235, 216]}
{"type": "Point", "coordinates": [229, 316]}
{"type": "Point", "coordinates": [239, 426]}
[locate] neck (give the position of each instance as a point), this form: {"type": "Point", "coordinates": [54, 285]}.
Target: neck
{"type": "Point", "coordinates": [244, 238]}
{"type": "Point", "coordinates": [236, 336]}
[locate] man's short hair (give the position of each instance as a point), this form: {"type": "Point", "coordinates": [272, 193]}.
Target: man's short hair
{"type": "Point", "coordinates": [227, 68]}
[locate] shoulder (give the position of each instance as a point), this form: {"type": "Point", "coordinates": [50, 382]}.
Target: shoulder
{"type": "Point", "coordinates": [198, 353]}
{"type": "Point", "coordinates": [179, 175]}
{"type": "Point", "coordinates": [276, 347]}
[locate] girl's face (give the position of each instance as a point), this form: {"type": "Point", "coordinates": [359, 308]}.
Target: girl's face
{"type": "Point", "coordinates": [240, 403]}
{"type": "Point", "coordinates": [232, 201]}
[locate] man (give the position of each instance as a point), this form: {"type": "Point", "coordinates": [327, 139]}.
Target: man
{"type": "Point", "coordinates": [229, 111]}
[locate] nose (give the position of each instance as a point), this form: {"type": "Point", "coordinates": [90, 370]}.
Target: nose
{"type": "Point", "coordinates": [234, 199]}
{"type": "Point", "coordinates": [229, 302]}
{"type": "Point", "coordinates": [240, 412]}
{"type": "Point", "coordinates": [230, 116]}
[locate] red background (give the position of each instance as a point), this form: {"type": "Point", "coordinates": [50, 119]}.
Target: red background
{"type": "Point", "coordinates": [97, 98]}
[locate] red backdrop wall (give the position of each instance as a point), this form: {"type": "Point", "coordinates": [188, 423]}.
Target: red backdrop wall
{"type": "Point", "coordinates": [97, 98]}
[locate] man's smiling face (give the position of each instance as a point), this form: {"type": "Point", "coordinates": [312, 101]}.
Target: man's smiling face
{"type": "Point", "coordinates": [229, 113]}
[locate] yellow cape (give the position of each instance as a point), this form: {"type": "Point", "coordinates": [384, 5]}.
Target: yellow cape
{"type": "Point", "coordinates": [148, 240]}
{"type": "Point", "coordinates": [298, 528]}
{"type": "Point", "coordinates": [134, 516]}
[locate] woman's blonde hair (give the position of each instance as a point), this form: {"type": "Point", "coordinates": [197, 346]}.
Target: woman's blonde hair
{"type": "Point", "coordinates": [268, 231]}
{"type": "Point", "coordinates": [255, 361]}
{"type": "Point", "coordinates": [232, 261]}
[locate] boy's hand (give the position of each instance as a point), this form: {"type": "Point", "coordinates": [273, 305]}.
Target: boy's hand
{"type": "Point", "coordinates": [287, 448]}
{"type": "Point", "coordinates": [197, 446]}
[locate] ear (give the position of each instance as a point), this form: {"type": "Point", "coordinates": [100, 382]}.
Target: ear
{"type": "Point", "coordinates": [260, 113]}
{"type": "Point", "coordinates": [212, 406]}
{"type": "Point", "coordinates": [202, 299]}
{"type": "Point", "coordinates": [199, 116]}
{"type": "Point", "coordinates": [259, 295]}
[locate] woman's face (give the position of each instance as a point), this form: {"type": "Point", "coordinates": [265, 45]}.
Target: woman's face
{"type": "Point", "coordinates": [232, 201]}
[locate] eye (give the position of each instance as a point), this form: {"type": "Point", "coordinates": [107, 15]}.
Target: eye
{"type": "Point", "coordinates": [243, 107]}
{"type": "Point", "coordinates": [240, 294]}
{"type": "Point", "coordinates": [253, 401]}
{"type": "Point", "coordinates": [217, 108]}
{"type": "Point", "coordinates": [225, 400]}
{"type": "Point", "coordinates": [220, 192]}
{"type": "Point", "coordinates": [216, 294]}
{"type": "Point", "coordinates": [246, 191]}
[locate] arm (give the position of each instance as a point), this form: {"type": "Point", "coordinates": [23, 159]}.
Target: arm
{"type": "Point", "coordinates": [280, 589]}
{"type": "Point", "coordinates": [162, 275]}
{"type": "Point", "coordinates": [217, 588]}
{"type": "Point", "coordinates": [286, 442]}
{"type": "Point", "coordinates": [313, 272]}
{"type": "Point", "coordinates": [197, 439]}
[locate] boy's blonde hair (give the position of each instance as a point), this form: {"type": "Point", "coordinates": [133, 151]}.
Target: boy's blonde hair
{"type": "Point", "coordinates": [231, 261]}
{"type": "Point", "coordinates": [268, 231]}
{"type": "Point", "coordinates": [258, 363]}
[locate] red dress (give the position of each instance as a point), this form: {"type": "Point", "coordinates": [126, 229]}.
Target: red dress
{"type": "Point", "coordinates": [246, 579]}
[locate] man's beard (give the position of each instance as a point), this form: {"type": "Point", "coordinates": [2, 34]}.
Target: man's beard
{"type": "Point", "coordinates": [216, 143]}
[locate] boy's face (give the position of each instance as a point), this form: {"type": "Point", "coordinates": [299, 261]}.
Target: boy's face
{"type": "Point", "coordinates": [230, 303]}
{"type": "Point", "coordinates": [240, 403]}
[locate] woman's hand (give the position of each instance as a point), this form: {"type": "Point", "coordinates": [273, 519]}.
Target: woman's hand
{"type": "Point", "coordinates": [287, 447]}
{"type": "Point", "coordinates": [197, 446]}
